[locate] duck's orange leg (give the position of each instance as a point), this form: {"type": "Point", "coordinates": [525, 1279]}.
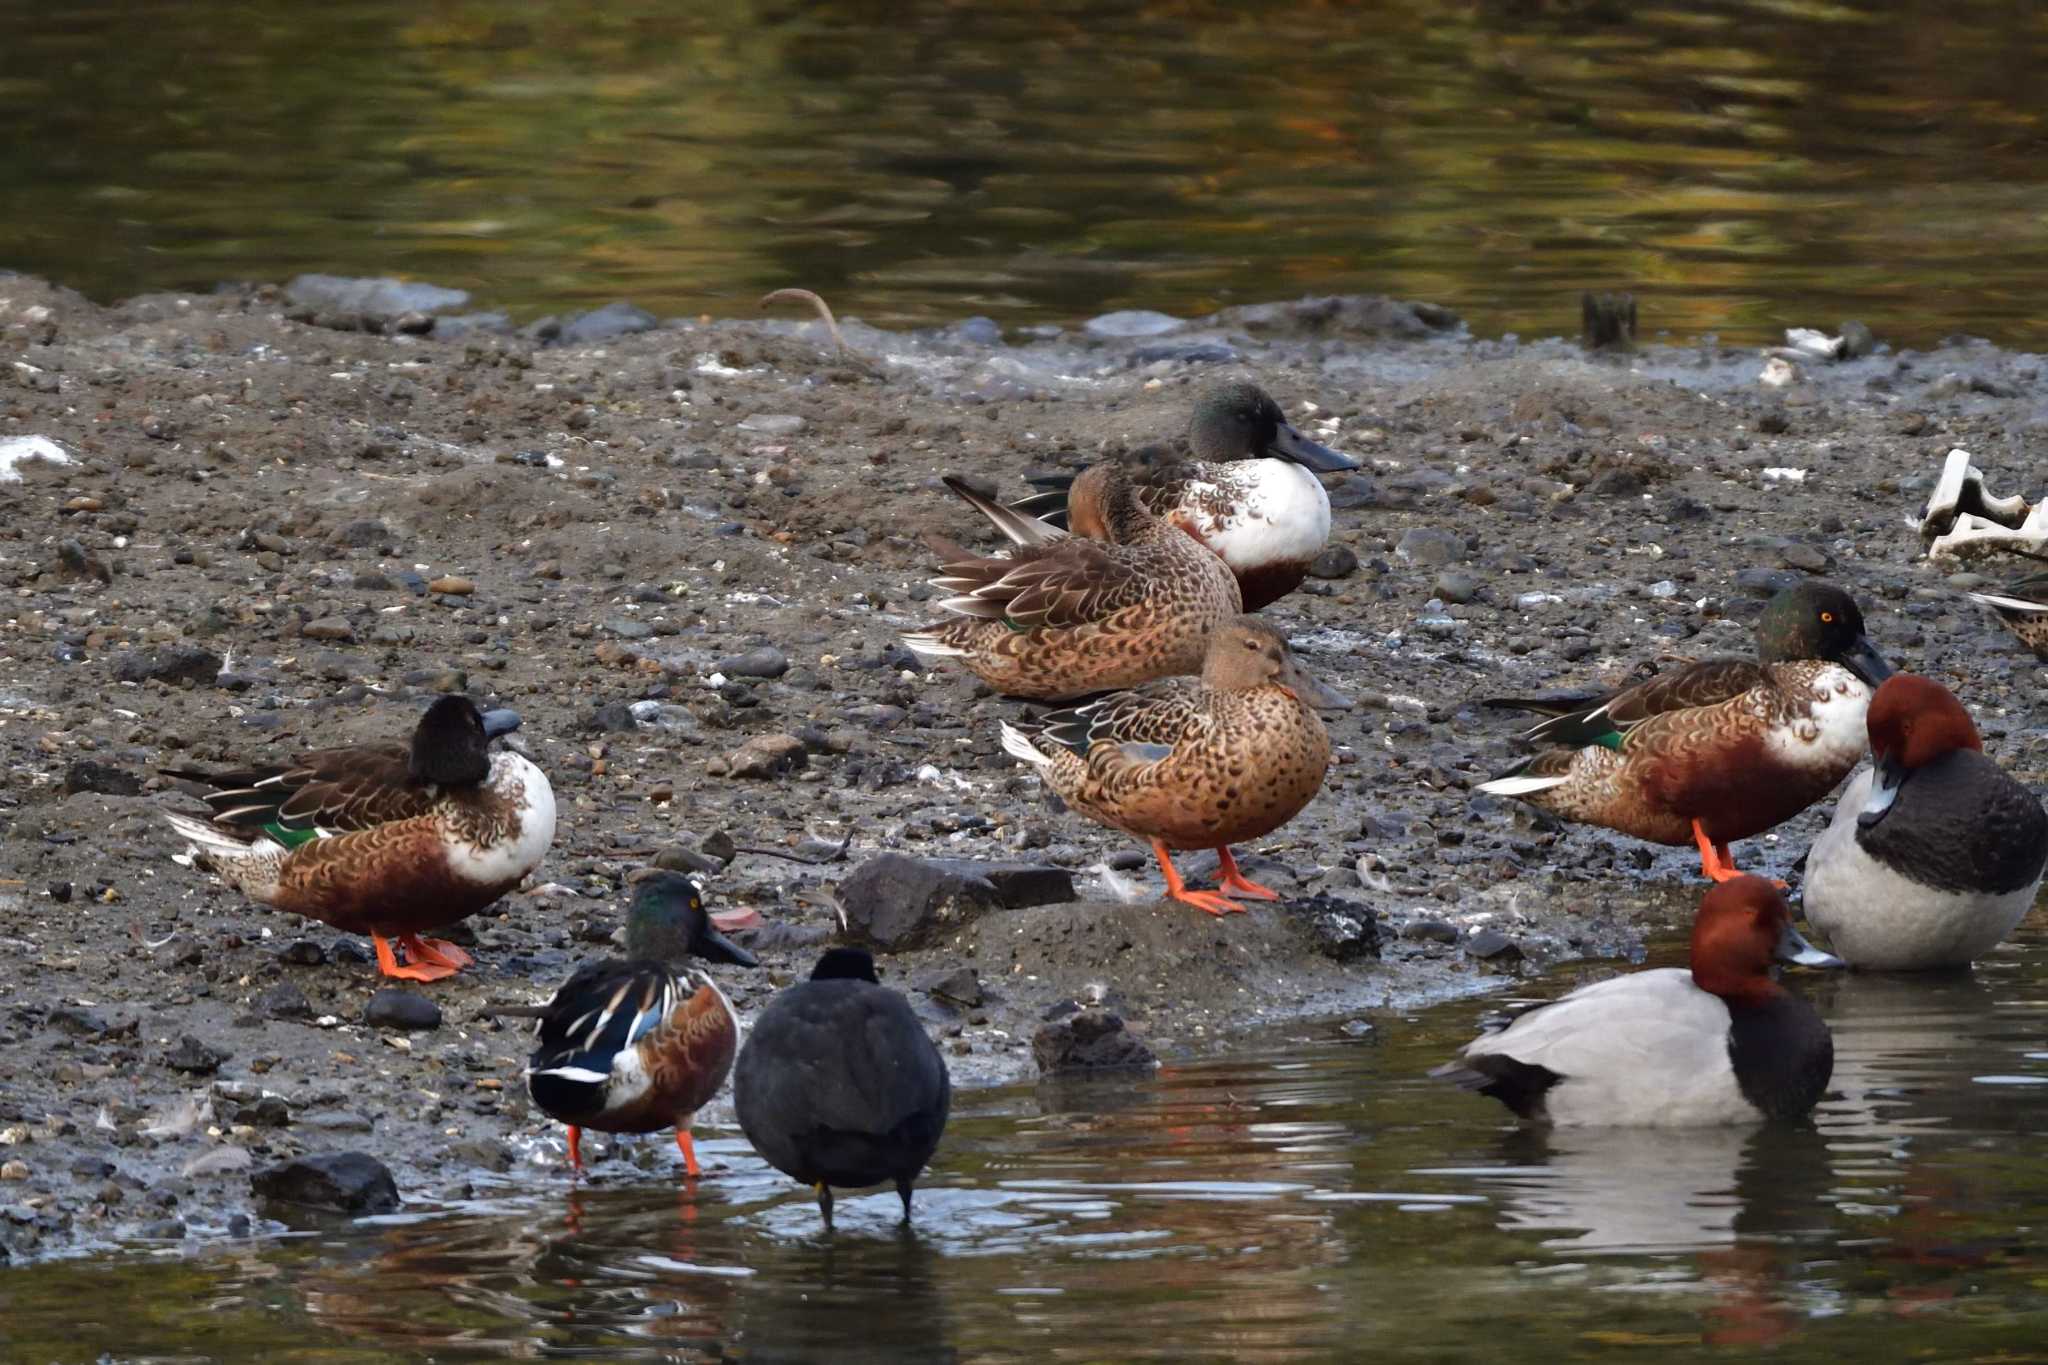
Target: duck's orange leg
{"type": "Point", "coordinates": [688, 1147]}
{"type": "Point", "coordinates": [575, 1149]}
{"type": "Point", "coordinates": [435, 952]}
{"type": "Point", "coordinates": [421, 967]}
{"type": "Point", "coordinates": [1215, 902]}
{"type": "Point", "coordinates": [1230, 879]}
{"type": "Point", "coordinates": [1716, 862]}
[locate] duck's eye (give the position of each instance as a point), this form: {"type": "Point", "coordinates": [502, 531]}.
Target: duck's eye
{"type": "Point", "coordinates": [1252, 645]}
{"type": "Point", "coordinates": [1827, 618]}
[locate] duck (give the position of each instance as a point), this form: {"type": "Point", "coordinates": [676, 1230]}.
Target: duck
{"type": "Point", "coordinates": [640, 1044]}
{"type": "Point", "coordinates": [385, 839]}
{"type": "Point", "coordinates": [1251, 492]}
{"type": "Point", "coordinates": [1187, 763]}
{"type": "Point", "coordinates": [1934, 853]}
{"type": "Point", "coordinates": [2022, 608]}
{"type": "Point", "coordinates": [1721, 1042]}
{"type": "Point", "coordinates": [1719, 750]}
{"type": "Point", "coordinates": [838, 1084]}
{"type": "Point", "coordinates": [1063, 616]}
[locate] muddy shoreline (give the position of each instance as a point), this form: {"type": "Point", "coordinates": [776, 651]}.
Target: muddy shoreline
{"type": "Point", "coordinates": [658, 540]}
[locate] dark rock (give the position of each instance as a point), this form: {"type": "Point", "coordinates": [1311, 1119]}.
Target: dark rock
{"type": "Point", "coordinates": [1429, 931]}
{"type": "Point", "coordinates": [612, 717]}
{"type": "Point", "coordinates": [1336, 561]}
{"type": "Point", "coordinates": [1343, 930]}
{"type": "Point", "coordinates": [1186, 353]}
{"type": "Point", "coordinates": [721, 845]}
{"type": "Point", "coordinates": [1430, 545]}
{"type": "Point", "coordinates": [1766, 582]}
{"type": "Point", "coordinates": [304, 953]}
{"type": "Point", "coordinates": [77, 1019]}
{"type": "Point", "coordinates": [1607, 321]}
{"type": "Point", "coordinates": [78, 560]}
{"type": "Point", "coordinates": [91, 775]}
{"type": "Point", "coordinates": [371, 298]}
{"type": "Point", "coordinates": [346, 1182]}
{"type": "Point", "coordinates": [678, 858]}
{"type": "Point", "coordinates": [1774, 422]}
{"type": "Point", "coordinates": [1617, 482]}
{"type": "Point", "coordinates": [893, 902]}
{"type": "Point", "coordinates": [765, 662]}
{"type": "Point", "coordinates": [1093, 1040]}
{"type": "Point", "coordinates": [271, 1111]}
{"type": "Point", "coordinates": [603, 324]}
{"type": "Point", "coordinates": [1354, 491]}
{"type": "Point", "coordinates": [961, 986]}
{"type": "Point", "coordinates": [1456, 586]}
{"type": "Point", "coordinates": [284, 1001]}
{"type": "Point", "coordinates": [401, 1009]}
{"type": "Point", "coordinates": [363, 535]}
{"type": "Point", "coordinates": [190, 1054]}
{"type": "Point", "coordinates": [1491, 945]}
{"type": "Point", "coordinates": [1797, 554]}
{"type": "Point", "coordinates": [1341, 315]}
{"type": "Point", "coordinates": [173, 663]}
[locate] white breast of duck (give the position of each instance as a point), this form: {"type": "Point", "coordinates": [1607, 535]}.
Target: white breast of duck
{"type": "Point", "coordinates": [1830, 731]}
{"type": "Point", "coordinates": [1654, 1050]}
{"type": "Point", "coordinates": [1933, 874]}
{"type": "Point", "coordinates": [513, 848]}
{"type": "Point", "coordinates": [1257, 512]}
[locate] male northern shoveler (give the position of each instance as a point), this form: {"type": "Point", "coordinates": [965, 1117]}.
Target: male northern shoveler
{"type": "Point", "coordinates": [1936, 852]}
{"type": "Point", "coordinates": [1194, 764]}
{"type": "Point", "coordinates": [1250, 493]}
{"type": "Point", "coordinates": [1718, 751]}
{"type": "Point", "coordinates": [838, 1084]}
{"type": "Point", "coordinates": [639, 1046]}
{"type": "Point", "coordinates": [387, 840]}
{"type": "Point", "coordinates": [2022, 607]}
{"type": "Point", "coordinates": [1064, 615]}
{"type": "Point", "coordinates": [1671, 1048]}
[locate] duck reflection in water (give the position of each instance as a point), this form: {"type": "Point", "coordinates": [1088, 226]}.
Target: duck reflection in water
{"type": "Point", "coordinates": [846, 1300]}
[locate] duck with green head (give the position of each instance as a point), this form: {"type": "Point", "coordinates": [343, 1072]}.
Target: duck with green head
{"type": "Point", "coordinates": [1719, 750]}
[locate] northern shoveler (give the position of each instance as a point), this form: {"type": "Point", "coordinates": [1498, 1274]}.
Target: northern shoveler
{"type": "Point", "coordinates": [1250, 492]}
{"type": "Point", "coordinates": [1718, 751]}
{"type": "Point", "coordinates": [387, 840]}
{"type": "Point", "coordinates": [839, 1085]}
{"type": "Point", "coordinates": [1670, 1048]}
{"type": "Point", "coordinates": [640, 1046]}
{"type": "Point", "coordinates": [1194, 764]}
{"type": "Point", "coordinates": [1064, 616]}
{"type": "Point", "coordinates": [2022, 608]}
{"type": "Point", "coordinates": [1934, 854]}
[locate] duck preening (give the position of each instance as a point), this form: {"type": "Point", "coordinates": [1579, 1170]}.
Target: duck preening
{"type": "Point", "coordinates": [388, 840]}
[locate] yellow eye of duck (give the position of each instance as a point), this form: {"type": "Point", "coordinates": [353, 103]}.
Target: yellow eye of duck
{"type": "Point", "coordinates": [1827, 618]}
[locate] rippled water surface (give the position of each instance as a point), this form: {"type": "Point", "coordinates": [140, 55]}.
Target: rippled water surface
{"type": "Point", "coordinates": [1741, 164]}
{"type": "Point", "coordinates": [1312, 1198]}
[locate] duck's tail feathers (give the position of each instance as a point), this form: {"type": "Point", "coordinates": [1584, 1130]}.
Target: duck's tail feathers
{"type": "Point", "coordinates": [248, 863]}
{"type": "Point", "coordinates": [1559, 703]}
{"type": "Point", "coordinates": [930, 647]}
{"type": "Point", "coordinates": [1017, 527]}
{"type": "Point", "coordinates": [2018, 606]}
{"type": "Point", "coordinates": [1017, 744]}
{"type": "Point", "coordinates": [1519, 781]}
{"type": "Point", "coordinates": [210, 840]}
{"type": "Point", "coordinates": [1049, 507]}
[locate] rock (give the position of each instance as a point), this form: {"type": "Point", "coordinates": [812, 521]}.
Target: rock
{"type": "Point", "coordinates": [1766, 582]}
{"type": "Point", "coordinates": [91, 775]}
{"type": "Point", "coordinates": [1607, 321]}
{"type": "Point", "coordinates": [678, 858]}
{"type": "Point", "coordinates": [1336, 561]}
{"type": "Point", "coordinates": [328, 628]}
{"type": "Point", "coordinates": [1797, 554]}
{"type": "Point", "coordinates": [1132, 322]}
{"type": "Point", "coordinates": [766, 756]}
{"type": "Point", "coordinates": [1093, 1040]}
{"type": "Point", "coordinates": [284, 1000]}
{"type": "Point", "coordinates": [172, 663]}
{"type": "Point", "coordinates": [1356, 490]}
{"type": "Point", "coordinates": [1430, 545]}
{"type": "Point", "coordinates": [77, 1019]}
{"type": "Point", "coordinates": [765, 662]}
{"type": "Point", "coordinates": [626, 628]}
{"type": "Point", "coordinates": [401, 1009]}
{"type": "Point", "coordinates": [979, 331]}
{"type": "Point", "coordinates": [362, 535]}
{"type": "Point", "coordinates": [373, 298]}
{"type": "Point", "coordinates": [451, 586]}
{"type": "Point", "coordinates": [1491, 945]}
{"type": "Point", "coordinates": [893, 902]}
{"type": "Point", "coordinates": [1343, 931]}
{"type": "Point", "coordinates": [1340, 314]}
{"type": "Point", "coordinates": [1857, 341]}
{"type": "Point", "coordinates": [612, 717]}
{"type": "Point", "coordinates": [1617, 482]}
{"type": "Point", "coordinates": [1456, 586]}
{"type": "Point", "coordinates": [190, 1054]}
{"type": "Point", "coordinates": [304, 953]}
{"type": "Point", "coordinates": [961, 986]}
{"type": "Point", "coordinates": [217, 1161]}
{"type": "Point", "coordinates": [346, 1182]}
{"type": "Point", "coordinates": [76, 559]}
{"type": "Point", "coordinates": [602, 324]}
{"type": "Point", "coordinates": [1429, 931]}
{"type": "Point", "coordinates": [772, 424]}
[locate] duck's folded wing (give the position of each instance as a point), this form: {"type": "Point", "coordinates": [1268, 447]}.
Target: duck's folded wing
{"type": "Point", "coordinates": [1657, 1018]}
{"type": "Point", "coordinates": [1154, 717]}
{"type": "Point", "coordinates": [1706, 683]}
{"type": "Point", "coordinates": [1060, 585]}
{"type": "Point", "coordinates": [601, 1011]}
{"type": "Point", "coordinates": [334, 790]}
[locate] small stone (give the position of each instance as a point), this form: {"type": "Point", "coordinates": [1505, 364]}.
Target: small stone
{"type": "Point", "coordinates": [1456, 587]}
{"type": "Point", "coordinates": [328, 628]}
{"type": "Point", "coordinates": [1132, 322]}
{"type": "Point", "coordinates": [346, 1182]}
{"type": "Point", "coordinates": [773, 424]}
{"type": "Point", "coordinates": [1430, 545]}
{"type": "Point", "coordinates": [766, 756]}
{"type": "Point", "coordinates": [1491, 945]}
{"type": "Point", "coordinates": [1797, 554]}
{"type": "Point", "coordinates": [192, 1055]}
{"type": "Point", "coordinates": [612, 717]}
{"type": "Point", "coordinates": [1857, 341]}
{"type": "Point", "coordinates": [91, 775]}
{"type": "Point", "coordinates": [15, 1169]}
{"type": "Point", "coordinates": [172, 663]}
{"type": "Point", "coordinates": [284, 1001]}
{"type": "Point", "coordinates": [765, 662]}
{"type": "Point", "coordinates": [1336, 561]}
{"type": "Point", "coordinates": [77, 1019]}
{"type": "Point", "coordinates": [1429, 931]}
{"type": "Point", "coordinates": [677, 858]}
{"type": "Point", "coordinates": [961, 986]}
{"type": "Point", "coordinates": [401, 1009]}
{"type": "Point", "coordinates": [893, 902]}
{"type": "Point", "coordinates": [1093, 1040]}
{"type": "Point", "coordinates": [1766, 582]}
{"type": "Point", "coordinates": [304, 953]}
{"type": "Point", "coordinates": [1342, 930]}
{"type": "Point", "coordinates": [451, 586]}
{"type": "Point", "coordinates": [604, 324]}
{"type": "Point", "coordinates": [626, 628]}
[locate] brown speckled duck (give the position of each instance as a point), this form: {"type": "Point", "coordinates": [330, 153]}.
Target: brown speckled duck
{"type": "Point", "coordinates": [1721, 750]}
{"type": "Point", "coordinates": [2022, 607]}
{"type": "Point", "coordinates": [1064, 616]}
{"type": "Point", "coordinates": [1191, 763]}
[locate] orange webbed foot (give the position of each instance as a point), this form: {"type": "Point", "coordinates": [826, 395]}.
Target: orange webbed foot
{"type": "Point", "coordinates": [435, 951]}
{"type": "Point", "coordinates": [1716, 862]}
{"type": "Point", "coordinates": [1231, 879]}
{"type": "Point", "coordinates": [429, 969]}
{"type": "Point", "coordinates": [1215, 902]}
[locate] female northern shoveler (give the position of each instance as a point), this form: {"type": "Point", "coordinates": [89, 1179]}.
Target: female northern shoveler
{"type": "Point", "coordinates": [1718, 751]}
{"type": "Point", "coordinates": [1065, 615]}
{"type": "Point", "coordinates": [1669, 1048]}
{"type": "Point", "coordinates": [1935, 853]}
{"type": "Point", "coordinates": [1191, 764]}
{"type": "Point", "coordinates": [838, 1084]}
{"type": "Point", "coordinates": [387, 840]}
{"type": "Point", "coordinates": [1250, 493]}
{"type": "Point", "coordinates": [642, 1045]}
{"type": "Point", "coordinates": [2022, 607]}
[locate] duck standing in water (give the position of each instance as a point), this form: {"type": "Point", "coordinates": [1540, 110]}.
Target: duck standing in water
{"type": "Point", "coordinates": [839, 1085]}
{"type": "Point", "coordinates": [388, 840]}
{"type": "Point", "coordinates": [1718, 751]}
{"type": "Point", "coordinates": [1671, 1048]}
{"type": "Point", "coordinates": [1935, 853]}
{"type": "Point", "coordinates": [1192, 764]}
{"type": "Point", "coordinates": [1063, 616]}
{"type": "Point", "coordinates": [639, 1046]}
{"type": "Point", "coordinates": [1250, 493]}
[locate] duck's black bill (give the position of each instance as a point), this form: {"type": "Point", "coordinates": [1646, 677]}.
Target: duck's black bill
{"type": "Point", "coordinates": [716, 947]}
{"type": "Point", "coordinates": [500, 722]}
{"type": "Point", "coordinates": [1793, 947]}
{"type": "Point", "coordinates": [1290, 444]}
{"type": "Point", "coordinates": [1866, 663]}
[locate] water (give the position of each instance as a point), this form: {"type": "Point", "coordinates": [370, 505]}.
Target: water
{"type": "Point", "coordinates": [1740, 164]}
{"type": "Point", "coordinates": [1311, 1197]}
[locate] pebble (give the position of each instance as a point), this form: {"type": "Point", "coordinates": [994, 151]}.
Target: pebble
{"type": "Point", "coordinates": [1430, 545]}
{"type": "Point", "coordinates": [626, 628]}
{"type": "Point", "coordinates": [1342, 930]}
{"type": "Point", "coordinates": [773, 424]}
{"type": "Point", "coordinates": [346, 1182]}
{"type": "Point", "coordinates": [15, 1169]}
{"type": "Point", "coordinates": [766, 756]}
{"type": "Point", "coordinates": [1132, 322]}
{"type": "Point", "coordinates": [191, 1054]}
{"type": "Point", "coordinates": [171, 663]}
{"type": "Point", "coordinates": [1456, 586]}
{"type": "Point", "coordinates": [1491, 945]}
{"type": "Point", "coordinates": [92, 775]}
{"type": "Point", "coordinates": [765, 662]}
{"type": "Point", "coordinates": [1766, 582]}
{"type": "Point", "coordinates": [1093, 1040]}
{"type": "Point", "coordinates": [371, 297]}
{"type": "Point", "coordinates": [328, 628]}
{"type": "Point", "coordinates": [603, 324]}
{"type": "Point", "coordinates": [1336, 561]}
{"type": "Point", "coordinates": [451, 586]}
{"type": "Point", "coordinates": [893, 902]}
{"type": "Point", "coordinates": [961, 986]}
{"type": "Point", "coordinates": [401, 1009]}
{"type": "Point", "coordinates": [285, 1000]}
{"type": "Point", "coordinates": [1429, 931]}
